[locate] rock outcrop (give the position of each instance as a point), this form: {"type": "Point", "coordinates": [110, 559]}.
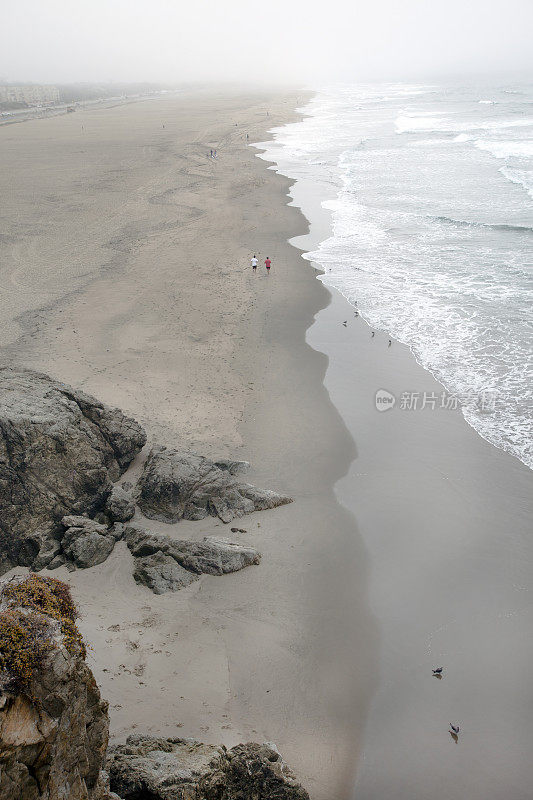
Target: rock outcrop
{"type": "Point", "coordinates": [85, 542]}
{"type": "Point", "coordinates": [61, 453]}
{"type": "Point", "coordinates": [233, 467]}
{"type": "Point", "coordinates": [176, 485]}
{"type": "Point", "coordinates": [120, 505]}
{"type": "Point", "coordinates": [252, 771]}
{"type": "Point", "coordinates": [53, 723]}
{"type": "Point", "coordinates": [165, 564]}
{"type": "Point", "coordinates": [185, 769]}
{"type": "Point", "coordinates": [60, 450]}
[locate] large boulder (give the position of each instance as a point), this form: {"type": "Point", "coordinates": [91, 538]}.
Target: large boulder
{"type": "Point", "coordinates": [185, 769]}
{"type": "Point", "coordinates": [60, 450]}
{"type": "Point", "coordinates": [161, 573]}
{"type": "Point", "coordinates": [250, 772]}
{"type": "Point", "coordinates": [177, 485]}
{"type": "Point", "coordinates": [120, 505]}
{"type": "Point", "coordinates": [165, 564]}
{"type": "Point", "coordinates": [53, 724]}
{"type": "Point", "coordinates": [159, 769]}
{"type": "Point", "coordinates": [85, 542]}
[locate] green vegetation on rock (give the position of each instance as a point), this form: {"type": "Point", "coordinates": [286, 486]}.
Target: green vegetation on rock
{"type": "Point", "coordinates": [26, 639]}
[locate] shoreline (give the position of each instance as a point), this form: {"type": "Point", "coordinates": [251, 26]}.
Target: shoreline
{"type": "Point", "coordinates": [48, 112]}
{"type": "Point", "coordinates": [433, 500]}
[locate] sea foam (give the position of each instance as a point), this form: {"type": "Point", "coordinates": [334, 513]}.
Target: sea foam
{"type": "Point", "coordinates": [432, 234]}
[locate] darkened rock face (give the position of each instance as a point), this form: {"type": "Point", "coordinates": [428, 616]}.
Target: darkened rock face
{"type": "Point", "coordinates": [185, 769]}
{"type": "Point", "coordinates": [59, 451]}
{"type": "Point", "coordinates": [177, 485]}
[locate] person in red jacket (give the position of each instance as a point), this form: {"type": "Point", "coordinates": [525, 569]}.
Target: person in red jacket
{"type": "Point", "coordinates": [267, 265]}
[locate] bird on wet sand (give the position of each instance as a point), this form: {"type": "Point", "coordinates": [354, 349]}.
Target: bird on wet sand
{"type": "Point", "coordinates": [345, 323]}
{"type": "Point", "coordinates": [390, 342]}
{"type": "Point", "coordinates": [373, 334]}
{"type": "Point", "coordinates": [454, 729]}
{"type": "Point", "coordinates": [437, 671]}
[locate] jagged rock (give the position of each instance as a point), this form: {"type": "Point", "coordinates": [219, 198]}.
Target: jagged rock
{"type": "Point", "coordinates": [177, 485]}
{"type": "Point", "coordinates": [233, 467]}
{"type": "Point", "coordinates": [53, 737]}
{"type": "Point", "coordinates": [252, 771]}
{"type": "Point", "coordinates": [58, 561]}
{"type": "Point", "coordinates": [121, 504]}
{"type": "Point", "coordinates": [163, 563]}
{"type": "Point", "coordinates": [185, 769]}
{"type": "Point", "coordinates": [213, 556]}
{"type": "Point", "coordinates": [49, 546]}
{"type": "Point", "coordinates": [161, 769]}
{"type": "Point", "coordinates": [217, 555]}
{"type": "Point", "coordinates": [85, 542]}
{"type": "Point", "coordinates": [59, 451]}
{"type": "Point", "coordinates": [161, 573]}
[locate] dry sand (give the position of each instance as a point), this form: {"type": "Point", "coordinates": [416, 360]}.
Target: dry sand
{"type": "Point", "coordinates": [125, 271]}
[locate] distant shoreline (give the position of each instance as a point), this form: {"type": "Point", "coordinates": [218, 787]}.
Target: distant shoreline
{"type": "Point", "coordinates": [47, 112]}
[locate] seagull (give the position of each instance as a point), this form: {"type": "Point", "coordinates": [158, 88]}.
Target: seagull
{"type": "Point", "coordinates": [373, 334]}
{"type": "Point", "coordinates": [345, 323]}
{"type": "Point", "coordinates": [356, 314]}
{"type": "Point", "coordinates": [454, 729]}
{"type": "Point", "coordinates": [437, 671]}
{"type": "Point", "coordinates": [390, 342]}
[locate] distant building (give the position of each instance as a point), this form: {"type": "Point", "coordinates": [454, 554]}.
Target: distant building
{"type": "Point", "coordinates": [30, 93]}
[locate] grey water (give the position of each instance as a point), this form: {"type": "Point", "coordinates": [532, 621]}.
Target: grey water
{"type": "Point", "coordinates": [430, 189]}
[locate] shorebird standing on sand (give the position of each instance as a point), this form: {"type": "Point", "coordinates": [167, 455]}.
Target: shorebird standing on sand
{"type": "Point", "coordinates": [437, 671]}
{"type": "Point", "coordinates": [454, 729]}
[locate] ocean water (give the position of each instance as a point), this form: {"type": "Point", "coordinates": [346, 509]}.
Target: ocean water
{"type": "Point", "coordinates": [430, 190]}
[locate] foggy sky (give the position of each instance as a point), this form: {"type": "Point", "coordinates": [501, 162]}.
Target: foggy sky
{"type": "Point", "coordinates": [293, 41]}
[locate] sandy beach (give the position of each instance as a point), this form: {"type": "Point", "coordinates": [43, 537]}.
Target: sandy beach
{"type": "Point", "coordinates": [126, 272]}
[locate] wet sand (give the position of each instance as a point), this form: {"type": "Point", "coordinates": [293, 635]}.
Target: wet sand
{"type": "Point", "coordinates": [445, 520]}
{"type": "Point", "coordinates": [451, 575]}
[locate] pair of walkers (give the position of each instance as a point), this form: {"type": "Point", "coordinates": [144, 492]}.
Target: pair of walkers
{"type": "Point", "coordinates": [254, 262]}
